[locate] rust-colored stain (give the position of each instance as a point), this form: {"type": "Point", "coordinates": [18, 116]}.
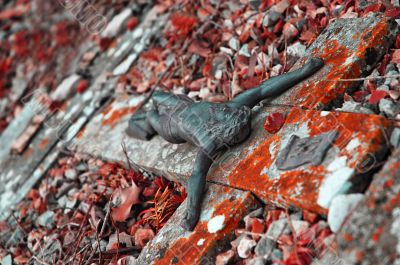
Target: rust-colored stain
{"type": "Point", "coordinates": [42, 145]}
{"type": "Point", "coordinates": [28, 152]}
{"type": "Point", "coordinates": [300, 187]}
{"type": "Point", "coordinates": [340, 63]}
{"type": "Point", "coordinates": [116, 115]}
{"type": "Point", "coordinates": [187, 251]}
{"type": "Point", "coordinates": [81, 133]}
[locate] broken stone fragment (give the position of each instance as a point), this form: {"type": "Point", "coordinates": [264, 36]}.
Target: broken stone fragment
{"type": "Point", "coordinates": [350, 106]}
{"type": "Point", "coordinates": [340, 208]}
{"type": "Point", "coordinates": [304, 151]}
{"type": "Point", "coordinates": [245, 247]}
{"type": "Point", "coordinates": [65, 89]}
{"type": "Point", "coordinates": [46, 219]}
{"type": "Point", "coordinates": [22, 141]}
{"type": "Point", "coordinates": [225, 258]}
{"type": "Point", "coordinates": [7, 260]}
{"type": "Point", "coordinates": [264, 247]}
{"type": "Point", "coordinates": [395, 138]}
{"type": "Point", "coordinates": [244, 50]}
{"type": "Point", "coordinates": [71, 173]}
{"type": "Point", "coordinates": [389, 108]}
{"type": "Point", "coordinates": [234, 44]}
{"type": "Point", "coordinates": [116, 24]}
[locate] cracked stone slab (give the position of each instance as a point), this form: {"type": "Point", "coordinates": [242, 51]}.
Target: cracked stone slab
{"type": "Point", "coordinates": [19, 125]}
{"type": "Point", "coordinates": [222, 209]}
{"type": "Point", "coordinates": [371, 234]}
{"type": "Point", "coordinates": [359, 146]}
{"type": "Point", "coordinates": [105, 134]}
{"type": "Point", "coordinates": [252, 165]}
{"type": "Point", "coordinates": [350, 48]}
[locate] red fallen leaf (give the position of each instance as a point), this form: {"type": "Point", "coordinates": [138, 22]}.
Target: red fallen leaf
{"type": "Point", "coordinates": [197, 48]}
{"type": "Point", "coordinates": [274, 122]}
{"type": "Point", "coordinates": [303, 256]}
{"type": "Point", "coordinates": [382, 66]}
{"type": "Point", "coordinates": [149, 191]}
{"type": "Point", "coordinates": [310, 217]}
{"type": "Point", "coordinates": [250, 82]}
{"type": "Point", "coordinates": [279, 26]}
{"type": "Point", "coordinates": [397, 44]}
{"type": "Point", "coordinates": [371, 85]}
{"type": "Point", "coordinates": [132, 23]}
{"type": "Point", "coordinates": [123, 199]}
{"type": "Point", "coordinates": [257, 227]}
{"type": "Point", "coordinates": [207, 70]}
{"type": "Point", "coordinates": [161, 183]}
{"type": "Point", "coordinates": [243, 38]}
{"type": "Point", "coordinates": [183, 23]}
{"type": "Point", "coordinates": [377, 95]}
{"type": "Point", "coordinates": [396, 56]}
{"type": "Point", "coordinates": [374, 8]}
{"type": "Point", "coordinates": [104, 43]}
{"type": "Point", "coordinates": [359, 96]}
{"type": "Point", "coordinates": [308, 36]}
{"type": "Point", "coordinates": [393, 12]}
{"type": "Point", "coordinates": [153, 54]}
{"type": "Point", "coordinates": [82, 86]}
{"type": "Point", "coordinates": [142, 236]}
{"type": "Point", "coordinates": [132, 230]}
{"type": "Point", "coordinates": [290, 31]}
{"type": "Point", "coordinates": [273, 215]}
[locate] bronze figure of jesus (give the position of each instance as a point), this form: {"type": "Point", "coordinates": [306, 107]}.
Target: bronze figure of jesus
{"type": "Point", "coordinates": [210, 126]}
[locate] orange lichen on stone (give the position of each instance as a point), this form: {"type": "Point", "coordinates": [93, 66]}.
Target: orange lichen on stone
{"type": "Point", "coordinates": [300, 187]}
{"type": "Point", "coordinates": [42, 145]}
{"type": "Point", "coordinates": [340, 63]}
{"type": "Point", "coordinates": [192, 249]}
{"type": "Point", "coordinates": [116, 115]}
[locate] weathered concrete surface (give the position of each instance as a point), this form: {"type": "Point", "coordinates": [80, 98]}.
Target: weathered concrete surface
{"type": "Point", "coordinates": [105, 133]}
{"type": "Point", "coordinates": [358, 147]}
{"type": "Point", "coordinates": [19, 124]}
{"type": "Point", "coordinates": [346, 57]}
{"type": "Point", "coordinates": [371, 234]}
{"type": "Point", "coordinates": [350, 48]}
{"type": "Point", "coordinates": [222, 209]}
{"type": "Point", "coordinates": [251, 165]}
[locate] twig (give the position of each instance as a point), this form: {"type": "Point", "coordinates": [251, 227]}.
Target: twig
{"type": "Point", "coordinates": [294, 235]}
{"type": "Point", "coordinates": [100, 234]}
{"type": "Point", "coordinates": [40, 261]}
{"type": "Point", "coordinates": [18, 224]}
{"type": "Point", "coordinates": [79, 232]}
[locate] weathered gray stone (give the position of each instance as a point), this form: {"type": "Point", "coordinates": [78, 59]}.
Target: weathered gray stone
{"type": "Point", "coordinates": [7, 260]}
{"type": "Point", "coordinates": [374, 33]}
{"type": "Point", "coordinates": [46, 219]}
{"type": "Point", "coordinates": [341, 207]}
{"type": "Point", "coordinates": [389, 108]}
{"type": "Point", "coordinates": [208, 239]}
{"type": "Point", "coordinates": [395, 138]}
{"type": "Point", "coordinates": [370, 235]}
{"type": "Point", "coordinates": [264, 247]}
{"type": "Point", "coordinates": [351, 106]}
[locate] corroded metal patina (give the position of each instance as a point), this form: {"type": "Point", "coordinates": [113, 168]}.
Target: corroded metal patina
{"type": "Point", "coordinates": [212, 127]}
{"type": "Point", "coordinates": [303, 151]}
